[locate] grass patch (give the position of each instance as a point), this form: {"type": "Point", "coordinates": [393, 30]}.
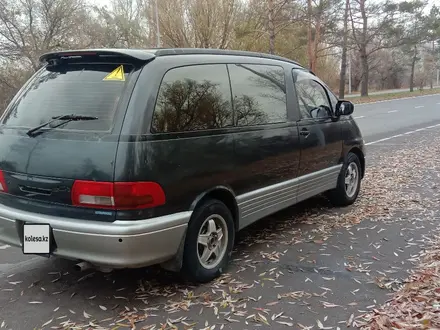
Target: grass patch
{"type": "Point", "coordinates": [393, 96]}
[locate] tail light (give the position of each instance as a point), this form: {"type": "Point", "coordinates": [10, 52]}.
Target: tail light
{"type": "Point", "coordinates": [3, 185]}
{"type": "Point", "coordinates": [117, 195]}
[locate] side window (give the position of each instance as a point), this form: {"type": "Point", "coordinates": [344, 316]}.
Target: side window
{"type": "Point", "coordinates": [193, 98]}
{"type": "Point", "coordinates": [259, 94]}
{"type": "Point", "coordinates": [312, 98]}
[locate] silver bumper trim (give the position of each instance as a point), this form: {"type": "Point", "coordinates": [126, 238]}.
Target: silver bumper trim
{"type": "Point", "coordinates": [117, 244]}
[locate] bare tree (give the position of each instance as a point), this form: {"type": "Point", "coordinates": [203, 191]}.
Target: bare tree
{"type": "Point", "coordinates": [370, 36]}
{"type": "Point", "coordinates": [309, 35]}
{"type": "Point", "coordinates": [344, 52]}
{"type": "Point", "coordinates": [29, 28]}
{"type": "Point", "coordinates": [198, 23]}
{"type": "Point", "coordinates": [124, 24]}
{"type": "Point", "coordinates": [417, 32]}
{"type": "Point", "coordinates": [262, 22]}
{"type": "Point", "coordinates": [271, 25]}
{"type": "Point", "coordinates": [322, 31]}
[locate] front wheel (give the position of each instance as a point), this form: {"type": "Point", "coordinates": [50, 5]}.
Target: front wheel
{"type": "Point", "coordinates": [349, 183]}
{"type": "Point", "coordinates": [209, 242]}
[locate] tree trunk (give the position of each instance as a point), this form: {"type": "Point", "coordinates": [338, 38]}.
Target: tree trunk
{"type": "Point", "coordinates": [316, 42]}
{"type": "Point", "coordinates": [431, 76]}
{"type": "Point", "coordinates": [309, 34]}
{"type": "Point", "coordinates": [271, 26]}
{"type": "Point", "coordinates": [344, 54]}
{"type": "Point", "coordinates": [156, 14]}
{"type": "Point", "coordinates": [365, 72]}
{"type": "Point", "coordinates": [363, 50]}
{"type": "Point", "coordinates": [413, 66]}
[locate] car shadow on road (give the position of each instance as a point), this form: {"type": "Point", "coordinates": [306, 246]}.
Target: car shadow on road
{"type": "Point", "coordinates": [258, 232]}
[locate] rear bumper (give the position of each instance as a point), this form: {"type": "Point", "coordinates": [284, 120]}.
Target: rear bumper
{"type": "Point", "coordinates": [119, 244]}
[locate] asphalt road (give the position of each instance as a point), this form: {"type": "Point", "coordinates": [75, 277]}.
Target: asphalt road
{"type": "Point", "coordinates": [286, 274]}
{"type": "Point", "coordinates": [389, 118]}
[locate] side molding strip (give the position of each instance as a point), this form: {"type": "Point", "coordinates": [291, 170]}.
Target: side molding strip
{"type": "Point", "coordinates": [262, 202]}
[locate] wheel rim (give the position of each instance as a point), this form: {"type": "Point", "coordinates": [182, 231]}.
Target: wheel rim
{"type": "Point", "coordinates": [212, 241]}
{"type": "Point", "coordinates": [351, 179]}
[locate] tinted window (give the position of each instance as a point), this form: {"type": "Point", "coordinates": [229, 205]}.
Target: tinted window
{"type": "Point", "coordinates": [193, 98]}
{"type": "Point", "coordinates": [312, 98]}
{"type": "Point", "coordinates": [70, 89]}
{"type": "Point", "coordinates": [333, 100]}
{"type": "Point", "coordinates": [259, 94]}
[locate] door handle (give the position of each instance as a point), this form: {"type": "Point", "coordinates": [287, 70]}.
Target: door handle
{"type": "Point", "coordinates": [304, 132]}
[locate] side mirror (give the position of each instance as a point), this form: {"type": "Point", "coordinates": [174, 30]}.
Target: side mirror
{"type": "Point", "coordinates": [344, 108]}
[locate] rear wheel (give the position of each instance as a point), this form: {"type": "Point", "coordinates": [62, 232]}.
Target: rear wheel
{"type": "Point", "coordinates": [349, 182]}
{"type": "Point", "coordinates": [209, 241]}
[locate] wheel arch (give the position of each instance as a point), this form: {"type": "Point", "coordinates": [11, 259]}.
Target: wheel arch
{"type": "Point", "coordinates": [358, 152]}
{"type": "Point", "coordinates": [221, 193]}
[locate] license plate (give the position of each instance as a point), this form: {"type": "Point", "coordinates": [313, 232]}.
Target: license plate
{"type": "Point", "coordinates": [36, 239]}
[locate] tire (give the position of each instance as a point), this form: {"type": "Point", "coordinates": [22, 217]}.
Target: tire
{"type": "Point", "coordinates": [200, 262]}
{"type": "Point", "coordinates": [342, 195]}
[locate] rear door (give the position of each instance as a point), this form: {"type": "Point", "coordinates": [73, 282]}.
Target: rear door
{"type": "Point", "coordinates": [40, 170]}
{"type": "Point", "coordinates": [320, 136]}
{"type": "Point", "coordinates": [266, 140]}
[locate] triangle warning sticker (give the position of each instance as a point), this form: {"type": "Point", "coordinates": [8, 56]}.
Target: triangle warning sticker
{"type": "Point", "coordinates": [117, 74]}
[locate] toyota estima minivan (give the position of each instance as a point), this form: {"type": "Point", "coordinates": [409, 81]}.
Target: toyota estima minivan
{"type": "Point", "coordinates": [123, 158]}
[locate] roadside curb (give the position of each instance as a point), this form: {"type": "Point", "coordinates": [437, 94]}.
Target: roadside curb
{"type": "Point", "coordinates": [396, 99]}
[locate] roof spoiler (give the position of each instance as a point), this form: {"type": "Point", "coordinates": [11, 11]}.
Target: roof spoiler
{"type": "Point", "coordinates": [136, 55]}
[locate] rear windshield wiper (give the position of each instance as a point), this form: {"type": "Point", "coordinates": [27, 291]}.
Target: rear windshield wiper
{"type": "Point", "coordinates": [65, 119]}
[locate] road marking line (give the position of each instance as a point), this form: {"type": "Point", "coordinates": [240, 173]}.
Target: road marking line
{"type": "Point", "coordinates": [419, 106]}
{"type": "Point", "coordinates": [399, 135]}
{"type": "Point", "coordinates": [359, 117]}
{"type": "Point", "coordinates": [392, 111]}
{"type": "Point", "coordinates": [3, 247]}
{"type": "Point", "coordinates": [385, 139]}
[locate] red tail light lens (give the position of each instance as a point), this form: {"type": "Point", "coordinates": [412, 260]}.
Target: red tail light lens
{"type": "Point", "coordinates": [3, 185]}
{"type": "Point", "coordinates": [117, 195]}
{"type": "Point", "coordinates": [93, 194]}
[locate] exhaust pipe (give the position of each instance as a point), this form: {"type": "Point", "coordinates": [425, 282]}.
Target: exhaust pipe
{"type": "Point", "coordinates": [82, 266]}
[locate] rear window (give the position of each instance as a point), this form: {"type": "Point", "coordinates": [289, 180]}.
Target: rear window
{"type": "Point", "coordinates": [81, 89]}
